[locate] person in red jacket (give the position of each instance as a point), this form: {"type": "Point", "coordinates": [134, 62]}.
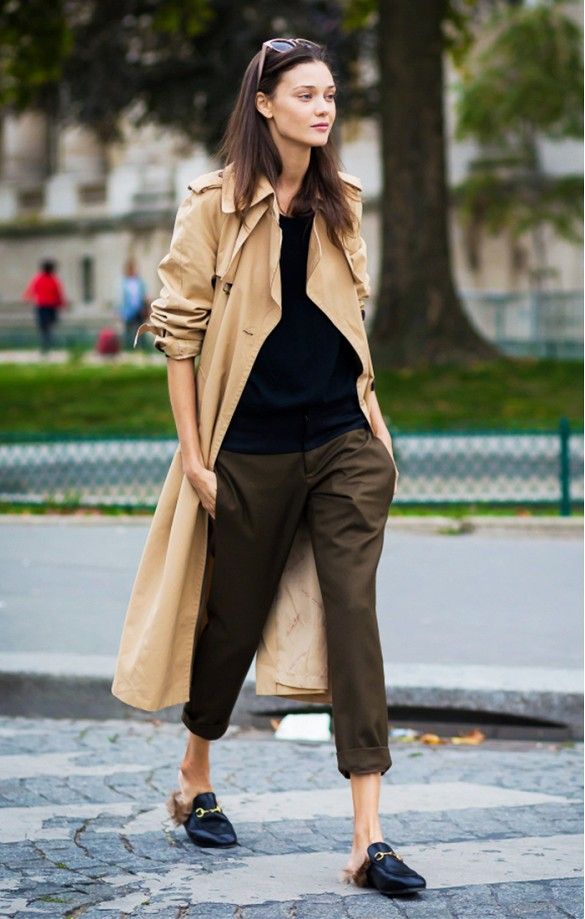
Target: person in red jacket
{"type": "Point", "coordinates": [46, 292]}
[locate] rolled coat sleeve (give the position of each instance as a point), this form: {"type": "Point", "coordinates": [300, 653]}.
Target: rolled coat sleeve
{"type": "Point", "coordinates": [180, 315]}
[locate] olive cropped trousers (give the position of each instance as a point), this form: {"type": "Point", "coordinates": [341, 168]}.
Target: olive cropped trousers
{"type": "Point", "coordinates": [344, 487]}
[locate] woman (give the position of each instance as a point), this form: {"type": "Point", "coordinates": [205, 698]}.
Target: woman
{"type": "Point", "coordinates": [46, 292]}
{"type": "Point", "coordinates": [299, 440]}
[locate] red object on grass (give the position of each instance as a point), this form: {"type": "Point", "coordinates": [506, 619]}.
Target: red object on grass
{"type": "Point", "coordinates": [108, 342]}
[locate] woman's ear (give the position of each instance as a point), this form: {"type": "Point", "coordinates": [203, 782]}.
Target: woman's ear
{"type": "Point", "coordinates": [263, 105]}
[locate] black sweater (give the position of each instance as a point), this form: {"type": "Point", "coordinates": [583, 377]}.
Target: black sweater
{"type": "Point", "coordinates": [301, 390]}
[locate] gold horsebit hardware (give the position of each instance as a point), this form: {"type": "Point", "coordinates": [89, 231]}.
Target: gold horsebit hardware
{"type": "Point", "coordinates": [199, 811]}
{"type": "Point", "coordinates": [380, 855]}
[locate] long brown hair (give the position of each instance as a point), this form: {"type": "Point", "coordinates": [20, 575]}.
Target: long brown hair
{"type": "Point", "coordinates": [247, 144]}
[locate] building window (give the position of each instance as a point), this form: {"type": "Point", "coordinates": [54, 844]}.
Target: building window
{"type": "Point", "coordinates": [31, 200]}
{"type": "Point", "coordinates": [92, 193]}
{"type": "Point", "coordinates": [87, 279]}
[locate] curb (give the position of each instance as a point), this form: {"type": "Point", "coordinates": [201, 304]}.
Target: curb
{"type": "Point", "coordinates": [485, 525]}
{"type": "Point", "coordinates": [79, 686]}
{"type": "Point", "coordinates": [490, 525]}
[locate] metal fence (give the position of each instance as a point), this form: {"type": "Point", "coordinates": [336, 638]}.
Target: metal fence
{"type": "Point", "coordinates": [489, 467]}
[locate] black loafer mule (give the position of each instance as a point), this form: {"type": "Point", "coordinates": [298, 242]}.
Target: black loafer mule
{"type": "Point", "coordinates": [389, 873]}
{"type": "Point", "coordinates": [207, 825]}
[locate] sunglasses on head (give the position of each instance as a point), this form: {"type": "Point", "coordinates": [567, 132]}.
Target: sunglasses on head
{"type": "Point", "coordinates": [281, 44]}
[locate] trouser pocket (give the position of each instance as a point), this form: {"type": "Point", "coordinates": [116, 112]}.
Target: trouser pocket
{"type": "Point", "coordinates": [388, 464]}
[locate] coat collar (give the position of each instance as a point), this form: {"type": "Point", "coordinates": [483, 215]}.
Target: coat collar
{"type": "Point", "coordinates": [263, 190]}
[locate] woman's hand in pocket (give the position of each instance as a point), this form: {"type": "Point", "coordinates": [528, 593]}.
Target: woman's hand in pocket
{"type": "Point", "coordinates": [204, 481]}
{"type": "Point", "coordinates": [384, 436]}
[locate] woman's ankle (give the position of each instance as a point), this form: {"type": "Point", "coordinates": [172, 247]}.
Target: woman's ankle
{"type": "Point", "coordinates": [193, 784]}
{"type": "Point", "coordinates": [195, 769]}
{"type": "Point", "coordinates": [363, 838]}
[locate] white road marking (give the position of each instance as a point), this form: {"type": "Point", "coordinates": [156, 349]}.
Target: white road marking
{"type": "Point", "coordinates": [300, 874]}
{"type": "Point", "coordinates": [20, 823]}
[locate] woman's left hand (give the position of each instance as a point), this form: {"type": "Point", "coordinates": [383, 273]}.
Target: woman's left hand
{"type": "Point", "coordinates": [384, 436]}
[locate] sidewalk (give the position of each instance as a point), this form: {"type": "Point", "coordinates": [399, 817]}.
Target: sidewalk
{"type": "Point", "coordinates": [495, 829]}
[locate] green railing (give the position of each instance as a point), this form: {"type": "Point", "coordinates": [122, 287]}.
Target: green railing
{"type": "Point", "coordinates": [499, 468]}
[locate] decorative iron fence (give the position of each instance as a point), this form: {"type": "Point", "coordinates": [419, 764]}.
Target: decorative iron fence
{"type": "Point", "coordinates": [487, 467]}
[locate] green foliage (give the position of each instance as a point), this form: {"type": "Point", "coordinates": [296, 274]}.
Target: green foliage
{"type": "Point", "coordinates": [88, 61]}
{"type": "Point", "coordinates": [524, 85]}
{"type": "Point", "coordinates": [458, 28]}
{"type": "Point", "coordinates": [528, 78]}
{"type": "Point", "coordinates": [34, 42]}
{"type": "Point", "coordinates": [178, 17]}
{"type": "Point", "coordinates": [176, 63]}
{"type": "Point", "coordinates": [457, 22]}
{"type": "Point", "coordinates": [358, 14]}
{"type": "Point", "coordinates": [499, 203]}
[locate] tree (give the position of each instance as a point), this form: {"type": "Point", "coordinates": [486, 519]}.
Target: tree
{"type": "Point", "coordinates": [34, 42]}
{"type": "Point", "coordinates": [525, 85]}
{"type": "Point", "coordinates": [419, 317]}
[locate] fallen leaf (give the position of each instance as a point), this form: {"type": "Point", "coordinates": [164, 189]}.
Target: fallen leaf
{"type": "Point", "coordinates": [472, 737]}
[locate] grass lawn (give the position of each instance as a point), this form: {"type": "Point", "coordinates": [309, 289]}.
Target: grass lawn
{"type": "Point", "coordinates": [510, 393]}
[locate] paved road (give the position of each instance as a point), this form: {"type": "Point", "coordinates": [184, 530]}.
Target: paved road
{"type": "Point", "coordinates": [508, 601]}
{"type": "Point", "coordinates": [495, 829]}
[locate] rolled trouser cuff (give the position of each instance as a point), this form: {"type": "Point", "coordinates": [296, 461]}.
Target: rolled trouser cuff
{"type": "Point", "coordinates": [207, 731]}
{"type": "Point", "coordinates": [361, 760]}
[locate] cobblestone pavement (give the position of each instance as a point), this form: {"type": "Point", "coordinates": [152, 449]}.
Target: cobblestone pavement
{"type": "Point", "coordinates": [84, 832]}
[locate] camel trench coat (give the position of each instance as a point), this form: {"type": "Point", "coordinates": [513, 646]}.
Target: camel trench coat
{"type": "Point", "coordinates": [221, 298]}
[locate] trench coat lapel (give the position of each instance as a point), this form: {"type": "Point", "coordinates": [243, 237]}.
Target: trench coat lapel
{"type": "Point", "coordinates": [259, 205]}
{"type": "Point", "coordinates": [264, 199]}
{"type": "Point", "coordinates": [244, 231]}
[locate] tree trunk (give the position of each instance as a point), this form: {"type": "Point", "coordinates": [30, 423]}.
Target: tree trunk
{"type": "Point", "coordinates": [419, 318]}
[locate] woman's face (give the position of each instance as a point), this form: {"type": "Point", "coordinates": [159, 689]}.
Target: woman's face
{"type": "Point", "coordinates": [302, 108]}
